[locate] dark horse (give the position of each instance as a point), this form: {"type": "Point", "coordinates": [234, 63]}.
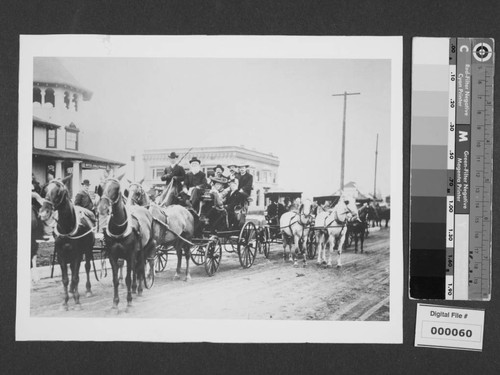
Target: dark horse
{"type": "Point", "coordinates": [357, 227]}
{"type": "Point", "coordinates": [74, 236]}
{"type": "Point", "coordinates": [171, 225]}
{"type": "Point", "coordinates": [127, 236]}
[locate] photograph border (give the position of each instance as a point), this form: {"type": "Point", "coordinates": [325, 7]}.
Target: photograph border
{"type": "Point", "coordinates": [235, 331]}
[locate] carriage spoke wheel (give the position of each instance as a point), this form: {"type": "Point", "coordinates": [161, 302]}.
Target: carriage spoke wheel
{"type": "Point", "coordinates": [247, 245]}
{"type": "Point", "coordinates": [161, 259]}
{"type": "Point", "coordinates": [198, 254]}
{"type": "Point", "coordinates": [149, 272]}
{"type": "Point", "coordinates": [213, 255]}
{"type": "Point", "coordinates": [311, 245]}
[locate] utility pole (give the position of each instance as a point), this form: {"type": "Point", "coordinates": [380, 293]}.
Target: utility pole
{"type": "Point", "coordinates": [375, 179]}
{"type": "Point", "coordinates": [343, 136]}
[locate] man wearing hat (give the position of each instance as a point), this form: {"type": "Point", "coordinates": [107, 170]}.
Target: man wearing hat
{"type": "Point", "coordinates": [234, 199]}
{"type": "Point", "coordinates": [195, 182]}
{"type": "Point", "coordinates": [233, 172]}
{"type": "Point", "coordinates": [83, 198]}
{"type": "Point", "coordinates": [218, 185]}
{"type": "Point", "coordinates": [245, 181]}
{"type": "Point", "coordinates": [174, 172]}
{"type": "Point", "coordinates": [219, 170]}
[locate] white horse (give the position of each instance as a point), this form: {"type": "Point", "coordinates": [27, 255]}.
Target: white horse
{"type": "Point", "coordinates": [294, 230]}
{"type": "Point", "coordinates": [331, 228]}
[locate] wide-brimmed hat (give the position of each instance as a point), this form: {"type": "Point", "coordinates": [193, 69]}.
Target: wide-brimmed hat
{"type": "Point", "coordinates": [86, 182]}
{"type": "Point", "coordinates": [173, 155]}
{"type": "Point", "coordinates": [194, 159]}
{"type": "Point", "coordinates": [232, 165]}
{"type": "Point", "coordinates": [220, 180]}
{"type": "Point", "coordinates": [219, 166]}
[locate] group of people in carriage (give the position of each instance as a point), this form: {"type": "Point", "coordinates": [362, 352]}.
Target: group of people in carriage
{"type": "Point", "coordinates": [219, 198]}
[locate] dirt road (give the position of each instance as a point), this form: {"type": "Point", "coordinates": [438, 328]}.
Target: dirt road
{"type": "Point", "coordinates": [270, 289]}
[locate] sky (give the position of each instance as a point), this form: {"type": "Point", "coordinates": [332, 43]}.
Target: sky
{"type": "Point", "coordinates": [283, 106]}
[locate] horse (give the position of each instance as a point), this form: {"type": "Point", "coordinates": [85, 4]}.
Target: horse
{"type": "Point", "coordinates": [373, 213]}
{"type": "Point", "coordinates": [74, 236]}
{"type": "Point", "coordinates": [294, 228]}
{"type": "Point", "coordinates": [173, 225]}
{"type": "Point", "coordinates": [127, 236]}
{"type": "Point", "coordinates": [384, 214]}
{"type": "Point", "coordinates": [331, 227]}
{"type": "Point", "coordinates": [358, 226]}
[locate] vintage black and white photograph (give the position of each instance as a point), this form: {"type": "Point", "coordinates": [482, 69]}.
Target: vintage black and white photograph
{"type": "Point", "coordinates": [226, 189]}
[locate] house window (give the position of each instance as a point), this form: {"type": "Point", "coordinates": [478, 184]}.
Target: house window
{"type": "Point", "coordinates": [37, 95]}
{"type": "Point", "coordinates": [50, 97]}
{"type": "Point", "coordinates": [157, 173]}
{"type": "Point", "coordinates": [75, 100]}
{"type": "Point", "coordinates": [71, 140]}
{"type": "Point", "coordinates": [51, 138]}
{"type": "Point", "coordinates": [258, 176]}
{"type": "Point", "coordinates": [66, 99]}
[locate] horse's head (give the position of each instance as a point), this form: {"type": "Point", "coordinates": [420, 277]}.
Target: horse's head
{"type": "Point", "coordinates": [137, 195]}
{"type": "Point", "coordinates": [306, 212]}
{"type": "Point", "coordinates": [111, 194]}
{"type": "Point", "coordinates": [55, 194]}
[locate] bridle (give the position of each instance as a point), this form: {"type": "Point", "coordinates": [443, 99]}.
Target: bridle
{"type": "Point", "coordinates": [55, 206]}
{"type": "Point", "coordinates": [113, 203]}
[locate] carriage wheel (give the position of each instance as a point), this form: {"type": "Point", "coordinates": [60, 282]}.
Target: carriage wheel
{"type": "Point", "coordinates": [161, 259]}
{"type": "Point", "coordinates": [198, 254]}
{"type": "Point", "coordinates": [212, 257]}
{"type": "Point", "coordinates": [311, 245]}
{"type": "Point", "coordinates": [265, 241]}
{"type": "Point", "coordinates": [247, 245]}
{"type": "Point", "coordinates": [149, 272]}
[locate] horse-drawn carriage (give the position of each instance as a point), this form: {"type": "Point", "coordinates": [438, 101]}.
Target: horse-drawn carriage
{"type": "Point", "coordinates": [214, 229]}
{"type": "Point", "coordinates": [281, 202]}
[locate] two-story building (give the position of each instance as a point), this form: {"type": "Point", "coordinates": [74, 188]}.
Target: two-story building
{"type": "Point", "coordinates": [58, 100]}
{"type": "Point", "coordinates": [263, 166]}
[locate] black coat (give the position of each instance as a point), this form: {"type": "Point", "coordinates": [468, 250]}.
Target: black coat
{"type": "Point", "coordinates": [196, 180]}
{"type": "Point", "coordinates": [246, 183]}
{"type": "Point", "coordinates": [176, 171]}
{"type": "Point", "coordinates": [234, 199]}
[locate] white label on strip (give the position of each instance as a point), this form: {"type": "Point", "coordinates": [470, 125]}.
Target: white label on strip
{"type": "Point", "coordinates": [449, 327]}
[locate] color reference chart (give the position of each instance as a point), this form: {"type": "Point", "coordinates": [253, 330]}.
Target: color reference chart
{"type": "Point", "coordinates": [451, 168]}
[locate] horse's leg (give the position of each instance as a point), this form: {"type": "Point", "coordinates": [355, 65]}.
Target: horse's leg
{"type": "Point", "coordinates": [341, 243]}
{"type": "Point", "coordinates": [134, 273]}
{"type": "Point", "coordinates": [139, 266]}
{"type": "Point", "coordinates": [88, 258]}
{"type": "Point", "coordinates": [362, 238]}
{"type": "Point", "coordinates": [355, 239]}
{"type": "Point", "coordinates": [296, 240]}
{"type": "Point", "coordinates": [113, 260]}
{"type": "Point", "coordinates": [187, 256]}
{"type": "Point", "coordinates": [121, 263]}
{"type": "Point", "coordinates": [284, 239]}
{"type": "Point", "coordinates": [75, 279]}
{"type": "Point", "coordinates": [34, 271]}
{"type": "Point", "coordinates": [330, 244]}
{"type": "Point", "coordinates": [65, 280]}
{"type": "Point", "coordinates": [304, 248]}
{"type": "Point", "coordinates": [319, 244]}
{"type": "Point", "coordinates": [128, 277]}
{"type": "Point", "coordinates": [178, 250]}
